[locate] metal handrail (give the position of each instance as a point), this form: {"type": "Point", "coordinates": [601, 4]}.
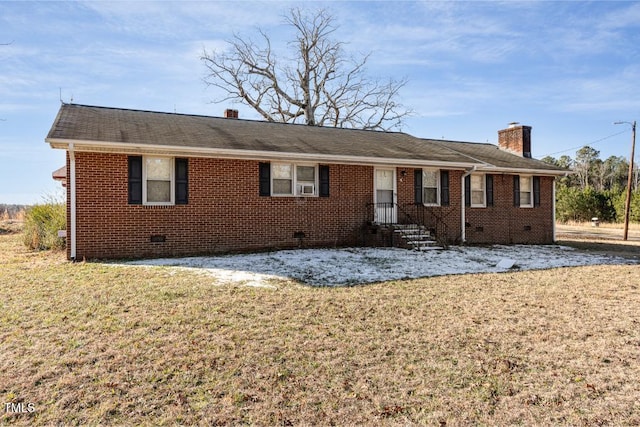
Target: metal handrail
{"type": "Point", "coordinates": [391, 213]}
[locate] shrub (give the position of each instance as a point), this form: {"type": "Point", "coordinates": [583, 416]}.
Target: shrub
{"type": "Point", "coordinates": [41, 225]}
{"type": "Point", "coordinates": [574, 204]}
{"type": "Point", "coordinates": [634, 210]}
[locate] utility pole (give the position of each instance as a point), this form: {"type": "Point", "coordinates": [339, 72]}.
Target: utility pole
{"type": "Point", "coordinates": [627, 205]}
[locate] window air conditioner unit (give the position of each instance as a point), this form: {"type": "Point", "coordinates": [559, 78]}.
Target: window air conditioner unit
{"type": "Point", "coordinates": [307, 189]}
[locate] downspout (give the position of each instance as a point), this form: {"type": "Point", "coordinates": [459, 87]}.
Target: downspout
{"type": "Point", "coordinates": [464, 206]}
{"type": "Point", "coordinates": [72, 188]}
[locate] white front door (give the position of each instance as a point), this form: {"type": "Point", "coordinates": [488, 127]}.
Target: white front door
{"type": "Point", "coordinates": [385, 196]}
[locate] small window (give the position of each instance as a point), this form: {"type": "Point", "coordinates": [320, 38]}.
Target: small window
{"type": "Point", "coordinates": [282, 179]}
{"type": "Point", "coordinates": [478, 191]}
{"type": "Point", "coordinates": [430, 187]}
{"type": "Point", "coordinates": [293, 180]}
{"type": "Point", "coordinates": [158, 181]}
{"type": "Point", "coordinates": [526, 192]}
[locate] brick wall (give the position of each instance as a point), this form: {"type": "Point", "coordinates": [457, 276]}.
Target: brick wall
{"type": "Point", "coordinates": [505, 223]}
{"type": "Point", "coordinates": [225, 211]}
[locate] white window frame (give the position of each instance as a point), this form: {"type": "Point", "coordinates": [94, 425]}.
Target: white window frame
{"type": "Point", "coordinates": [172, 191]}
{"type": "Point", "coordinates": [437, 172]}
{"type": "Point", "coordinates": [295, 191]}
{"type": "Point", "coordinates": [529, 190]}
{"type": "Point", "coordinates": [483, 180]}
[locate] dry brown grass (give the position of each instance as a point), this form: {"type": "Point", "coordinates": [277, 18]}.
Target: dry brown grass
{"type": "Point", "coordinates": [96, 344]}
{"type": "Point", "coordinates": [610, 225]}
{"type": "Point", "coordinates": [11, 226]}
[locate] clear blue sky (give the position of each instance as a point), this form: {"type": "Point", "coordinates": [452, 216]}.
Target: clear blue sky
{"type": "Point", "coordinates": [568, 69]}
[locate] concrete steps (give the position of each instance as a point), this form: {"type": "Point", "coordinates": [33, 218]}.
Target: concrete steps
{"type": "Point", "coordinates": [416, 237]}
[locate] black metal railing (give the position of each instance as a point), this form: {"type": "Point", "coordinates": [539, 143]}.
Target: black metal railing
{"type": "Point", "coordinates": [433, 219]}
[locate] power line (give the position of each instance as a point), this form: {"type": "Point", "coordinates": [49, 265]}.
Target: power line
{"type": "Point", "coordinates": [589, 144]}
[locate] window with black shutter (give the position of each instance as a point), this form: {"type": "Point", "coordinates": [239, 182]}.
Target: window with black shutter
{"type": "Point", "coordinates": [467, 190]}
{"type": "Point", "coordinates": [182, 181]}
{"type": "Point", "coordinates": [323, 172]}
{"type": "Point", "coordinates": [489, 185]}
{"type": "Point", "coordinates": [417, 186]}
{"type": "Point", "coordinates": [135, 180]}
{"type": "Point", "coordinates": [536, 191]}
{"type": "Point", "coordinates": [444, 188]}
{"type": "Point", "coordinates": [158, 181]}
{"type": "Point", "coordinates": [265, 179]}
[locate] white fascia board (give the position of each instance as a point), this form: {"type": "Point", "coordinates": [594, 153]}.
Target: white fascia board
{"type": "Point", "coordinates": [515, 171]}
{"type": "Point", "coordinates": [129, 148]}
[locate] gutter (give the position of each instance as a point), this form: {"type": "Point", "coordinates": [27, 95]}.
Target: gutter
{"type": "Point", "coordinates": [525, 171]}
{"type": "Point", "coordinates": [463, 205]}
{"type": "Point", "coordinates": [227, 153]}
{"type": "Point", "coordinates": [72, 189]}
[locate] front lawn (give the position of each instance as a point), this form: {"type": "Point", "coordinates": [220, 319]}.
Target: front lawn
{"type": "Point", "coordinates": [91, 343]}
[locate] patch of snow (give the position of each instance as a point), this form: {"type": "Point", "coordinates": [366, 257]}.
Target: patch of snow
{"type": "Point", "coordinates": [505, 263]}
{"type": "Point", "coordinates": [338, 267]}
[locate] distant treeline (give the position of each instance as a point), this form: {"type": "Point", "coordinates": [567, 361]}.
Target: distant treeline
{"type": "Point", "coordinates": [12, 211]}
{"type": "Point", "coordinates": [597, 188]}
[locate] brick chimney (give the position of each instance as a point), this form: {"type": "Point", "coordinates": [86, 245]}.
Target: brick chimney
{"type": "Point", "coordinates": [230, 114]}
{"type": "Point", "coordinates": [516, 139]}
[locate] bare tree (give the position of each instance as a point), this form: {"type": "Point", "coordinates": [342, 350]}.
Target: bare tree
{"type": "Point", "coordinates": [320, 85]}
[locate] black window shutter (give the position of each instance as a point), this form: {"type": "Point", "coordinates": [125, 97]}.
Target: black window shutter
{"type": "Point", "coordinates": [265, 179]}
{"type": "Point", "coordinates": [417, 186]}
{"type": "Point", "coordinates": [182, 181]}
{"type": "Point", "coordinates": [323, 172]}
{"type": "Point", "coordinates": [516, 190]}
{"type": "Point", "coordinates": [467, 190]}
{"type": "Point", "coordinates": [444, 188]}
{"type": "Point", "coordinates": [489, 189]}
{"type": "Point", "coordinates": [135, 180]}
{"type": "Point", "coordinates": [536, 191]}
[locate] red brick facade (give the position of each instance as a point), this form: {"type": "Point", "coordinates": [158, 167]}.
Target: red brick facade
{"type": "Point", "coordinates": [505, 223]}
{"type": "Point", "coordinates": [226, 213]}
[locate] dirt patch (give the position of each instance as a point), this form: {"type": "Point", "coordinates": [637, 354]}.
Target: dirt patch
{"type": "Point", "coordinates": [600, 240]}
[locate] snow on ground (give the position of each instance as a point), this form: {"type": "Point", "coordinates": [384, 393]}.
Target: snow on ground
{"type": "Point", "coordinates": [336, 267]}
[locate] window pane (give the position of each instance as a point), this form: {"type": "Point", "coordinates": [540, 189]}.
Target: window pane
{"type": "Point", "coordinates": [430, 178]}
{"type": "Point", "coordinates": [306, 173]}
{"type": "Point", "coordinates": [384, 180]}
{"type": "Point", "coordinates": [158, 168]}
{"type": "Point", "coordinates": [281, 171]}
{"type": "Point", "coordinates": [477, 182]}
{"type": "Point", "coordinates": [477, 197]}
{"type": "Point", "coordinates": [430, 196]}
{"type": "Point", "coordinates": [525, 198]}
{"type": "Point", "coordinates": [525, 183]}
{"type": "Point", "coordinates": [158, 191]}
{"type": "Point", "coordinates": [281, 186]}
{"type": "Point", "coordinates": [384, 196]}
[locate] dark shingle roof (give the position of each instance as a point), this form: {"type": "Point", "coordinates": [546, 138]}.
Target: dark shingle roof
{"type": "Point", "coordinates": [492, 155]}
{"type": "Point", "coordinates": [102, 125]}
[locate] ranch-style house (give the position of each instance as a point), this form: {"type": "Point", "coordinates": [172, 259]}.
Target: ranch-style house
{"type": "Point", "coordinates": [152, 184]}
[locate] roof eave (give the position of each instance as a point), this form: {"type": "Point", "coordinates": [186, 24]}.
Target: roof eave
{"type": "Point", "coordinates": [527, 171]}
{"type": "Point", "coordinates": [132, 148]}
